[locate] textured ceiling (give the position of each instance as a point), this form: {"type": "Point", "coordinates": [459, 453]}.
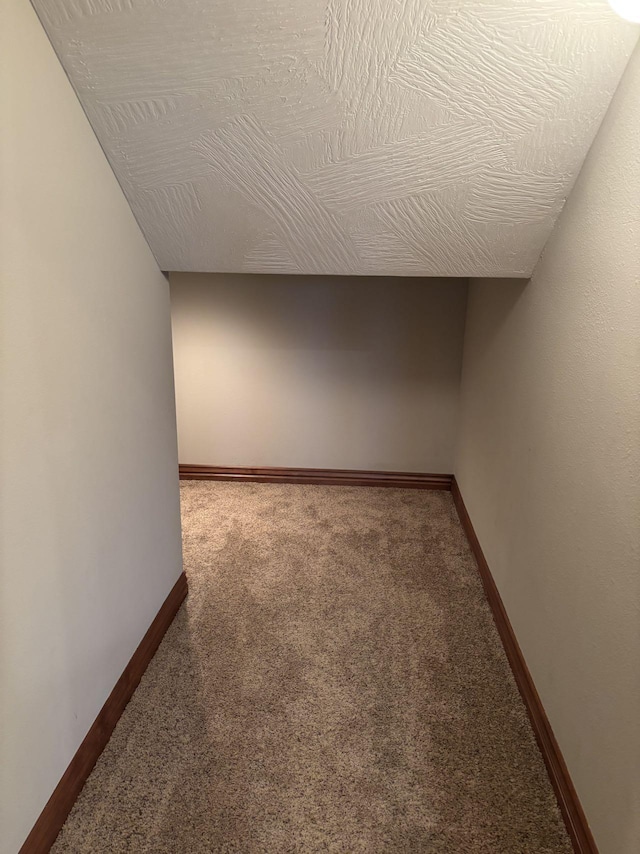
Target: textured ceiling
{"type": "Point", "coordinates": [418, 137]}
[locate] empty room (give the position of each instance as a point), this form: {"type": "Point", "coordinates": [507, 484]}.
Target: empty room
{"type": "Point", "coordinates": [320, 426]}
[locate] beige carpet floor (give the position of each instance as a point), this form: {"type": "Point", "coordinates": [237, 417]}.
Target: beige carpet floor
{"type": "Point", "coordinates": [334, 683]}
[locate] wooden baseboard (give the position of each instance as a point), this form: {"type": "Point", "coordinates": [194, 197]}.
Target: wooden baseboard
{"type": "Point", "coordinates": [322, 477]}
{"type": "Point", "coordinates": [59, 805]}
{"type": "Point", "coordinates": [568, 801]}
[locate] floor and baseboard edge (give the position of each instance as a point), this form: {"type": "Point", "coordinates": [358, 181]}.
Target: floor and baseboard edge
{"type": "Point", "coordinates": [568, 801]}
{"type": "Point", "coordinates": [54, 814]}
{"type": "Point", "coordinates": [322, 477]}
{"type": "Point", "coordinates": [59, 805]}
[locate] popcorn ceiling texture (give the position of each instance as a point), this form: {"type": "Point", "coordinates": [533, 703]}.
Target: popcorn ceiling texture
{"type": "Point", "coordinates": [424, 137]}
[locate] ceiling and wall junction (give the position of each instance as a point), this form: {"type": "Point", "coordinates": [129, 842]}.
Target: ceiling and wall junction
{"type": "Point", "coordinates": [422, 137]}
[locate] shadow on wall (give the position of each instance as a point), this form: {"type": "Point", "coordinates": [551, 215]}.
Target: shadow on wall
{"type": "Point", "coordinates": [389, 318]}
{"type": "Point", "coordinates": [508, 293]}
{"type": "Point", "coordinates": [318, 371]}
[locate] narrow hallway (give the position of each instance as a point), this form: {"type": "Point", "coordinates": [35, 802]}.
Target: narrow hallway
{"type": "Point", "coordinates": [334, 682]}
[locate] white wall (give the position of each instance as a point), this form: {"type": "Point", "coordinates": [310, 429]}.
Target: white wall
{"type": "Point", "coordinates": [89, 515]}
{"type": "Point", "coordinates": [549, 467]}
{"type": "Point", "coordinates": [319, 372]}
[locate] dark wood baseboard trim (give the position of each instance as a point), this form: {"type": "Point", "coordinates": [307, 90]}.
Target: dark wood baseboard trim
{"type": "Point", "coordinates": [322, 477]}
{"type": "Point", "coordinates": [568, 801]}
{"type": "Point", "coordinates": [59, 805]}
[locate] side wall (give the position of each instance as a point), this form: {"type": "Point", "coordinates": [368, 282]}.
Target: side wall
{"type": "Point", "coordinates": [89, 513]}
{"type": "Point", "coordinates": [549, 467]}
{"type": "Point", "coordinates": [317, 372]}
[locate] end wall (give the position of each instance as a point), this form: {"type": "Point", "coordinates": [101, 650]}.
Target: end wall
{"type": "Point", "coordinates": [89, 513]}
{"type": "Point", "coordinates": [317, 371]}
{"type": "Point", "coordinates": [549, 468]}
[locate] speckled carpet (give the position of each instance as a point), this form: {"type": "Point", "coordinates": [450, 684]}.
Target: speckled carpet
{"type": "Point", "coordinates": [333, 683]}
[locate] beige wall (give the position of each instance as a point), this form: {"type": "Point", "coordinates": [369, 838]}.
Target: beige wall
{"type": "Point", "coordinates": [89, 524]}
{"type": "Point", "coordinates": [549, 467]}
{"type": "Point", "coordinates": [320, 372]}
